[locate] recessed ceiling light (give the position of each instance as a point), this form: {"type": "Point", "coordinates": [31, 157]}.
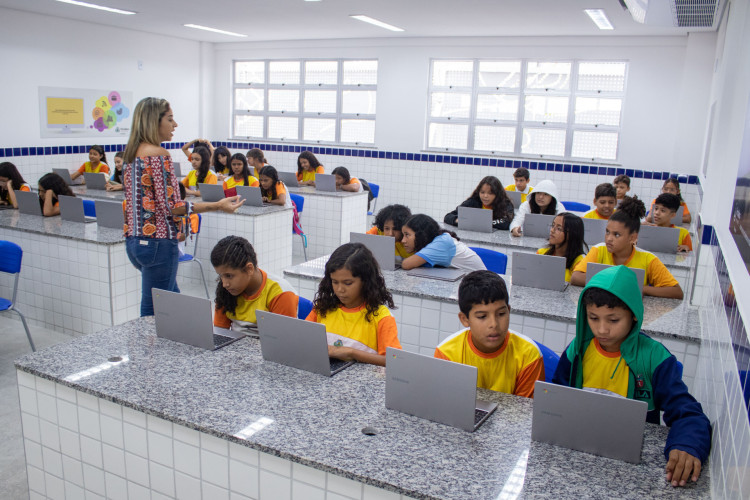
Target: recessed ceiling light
{"type": "Point", "coordinates": [214, 30]}
{"type": "Point", "coordinates": [99, 7]}
{"type": "Point", "coordinates": [375, 22]}
{"type": "Point", "coordinates": [599, 18]}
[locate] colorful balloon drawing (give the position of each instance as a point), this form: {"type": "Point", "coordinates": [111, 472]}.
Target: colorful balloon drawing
{"type": "Point", "coordinates": [108, 112]}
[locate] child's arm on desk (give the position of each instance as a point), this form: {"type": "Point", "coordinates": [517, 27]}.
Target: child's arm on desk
{"type": "Point", "coordinates": [351, 354]}
{"type": "Point", "coordinates": [668, 292]}
{"type": "Point", "coordinates": [412, 262]}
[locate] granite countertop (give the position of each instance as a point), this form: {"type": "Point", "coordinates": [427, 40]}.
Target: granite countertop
{"type": "Point", "coordinates": [663, 317]}
{"type": "Point", "coordinates": [97, 194]}
{"type": "Point", "coordinates": [309, 190]}
{"type": "Point", "coordinates": [55, 226]}
{"type": "Point", "coordinates": [317, 421]}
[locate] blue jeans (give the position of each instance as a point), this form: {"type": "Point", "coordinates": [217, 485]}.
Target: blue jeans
{"type": "Point", "coordinates": [157, 260]}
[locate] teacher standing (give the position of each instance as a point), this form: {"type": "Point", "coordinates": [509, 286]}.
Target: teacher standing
{"type": "Point", "coordinates": [153, 202]}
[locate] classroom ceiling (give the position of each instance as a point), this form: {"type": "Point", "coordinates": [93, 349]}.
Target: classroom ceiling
{"type": "Point", "coordinates": [268, 20]}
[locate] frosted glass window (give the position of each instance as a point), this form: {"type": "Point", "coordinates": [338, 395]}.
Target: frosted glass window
{"type": "Point", "coordinates": [452, 73]}
{"type": "Point", "coordinates": [283, 72]}
{"type": "Point", "coordinates": [596, 111]}
{"type": "Point", "coordinates": [448, 135]}
{"type": "Point", "coordinates": [497, 107]}
{"type": "Point", "coordinates": [319, 129]}
{"type": "Point", "coordinates": [283, 100]}
{"type": "Point", "coordinates": [248, 126]}
{"type": "Point", "coordinates": [360, 131]}
{"type": "Point", "coordinates": [499, 139]}
{"type": "Point", "coordinates": [539, 141]}
{"type": "Point", "coordinates": [548, 75]}
{"type": "Point", "coordinates": [595, 144]}
{"type": "Point", "coordinates": [321, 72]}
{"type": "Point", "coordinates": [320, 101]}
{"type": "Point", "coordinates": [546, 109]}
{"type": "Point", "coordinates": [450, 104]}
{"type": "Point", "coordinates": [283, 127]}
{"type": "Point", "coordinates": [358, 101]}
{"type": "Point", "coordinates": [360, 72]}
{"type": "Point", "coordinates": [250, 72]}
{"type": "Point", "coordinates": [249, 99]}
{"type": "Point", "coordinates": [602, 76]}
{"type": "Point", "coordinates": [503, 74]}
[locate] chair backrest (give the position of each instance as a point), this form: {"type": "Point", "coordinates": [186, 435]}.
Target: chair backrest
{"type": "Point", "coordinates": [575, 206]}
{"type": "Point", "coordinates": [298, 200]}
{"type": "Point", "coordinates": [10, 257]}
{"type": "Point", "coordinates": [494, 261]}
{"type": "Point", "coordinates": [550, 361]}
{"type": "Point", "coordinates": [89, 208]}
{"type": "Point", "coordinates": [303, 308]}
{"type": "Point", "coordinates": [375, 189]}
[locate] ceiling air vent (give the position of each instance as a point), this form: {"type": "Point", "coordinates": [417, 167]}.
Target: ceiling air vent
{"type": "Point", "coordinates": [676, 13]}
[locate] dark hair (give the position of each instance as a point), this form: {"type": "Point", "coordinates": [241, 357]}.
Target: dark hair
{"type": "Point", "coordinates": [535, 209]}
{"type": "Point", "coordinates": [521, 172]}
{"type": "Point", "coordinates": [245, 167]}
{"type": "Point", "coordinates": [9, 170]}
{"type": "Point", "coordinates": [622, 178]}
{"type": "Point", "coordinates": [183, 191]}
{"type": "Point", "coordinates": [600, 297]}
{"type": "Point", "coordinates": [425, 230]}
{"type": "Point", "coordinates": [205, 155]}
{"type": "Point", "coordinates": [343, 172]}
{"type": "Point", "coordinates": [502, 207]}
{"type": "Point", "coordinates": [481, 287]}
{"type": "Point", "coordinates": [630, 212]}
{"type": "Point", "coordinates": [605, 189]}
{"type": "Point", "coordinates": [307, 155]}
{"type": "Point", "coordinates": [256, 154]}
{"type": "Point", "coordinates": [224, 151]}
{"type": "Point", "coordinates": [234, 252]}
{"type": "Point", "coordinates": [673, 180]}
{"type": "Point", "coordinates": [397, 213]}
{"type": "Point", "coordinates": [573, 229]}
{"type": "Point", "coordinates": [271, 172]}
{"type": "Point", "coordinates": [117, 176]}
{"type": "Point", "coordinates": [667, 200]}
{"type": "Point", "coordinates": [358, 259]}
{"type": "Point", "coordinates": [56, 184]}
{"type": "Point", "coordinates": [100, 150]}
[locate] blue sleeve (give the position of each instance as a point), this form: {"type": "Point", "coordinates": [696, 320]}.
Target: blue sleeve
{"type": "Point", "coordinates": [690, 428]}
{"type": "Point", "coordinates": [439, 252]}
{"type": "Point", "coordinates": [562, 372]}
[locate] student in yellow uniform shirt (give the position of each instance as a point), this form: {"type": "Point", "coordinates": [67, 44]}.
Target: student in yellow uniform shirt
{"type": "Point", "coordinates": [605, 201]}
{"type": "Point", "coordinates": [201, 174]}
{"type": "Point", "coordinates": [307, 166]}
{"type": "Point", "coordinates": [389, 222]}
{"type": "Point", "coordinates": [566, 240]}
{"type": "Point", "coordinates": [97, 163]}
{"type": "Point", "coordinates": [520, 183]}
{"type": "Point", "coordinates": [664, 208]}
{"type": "Point", "coordinates": [240, 173]}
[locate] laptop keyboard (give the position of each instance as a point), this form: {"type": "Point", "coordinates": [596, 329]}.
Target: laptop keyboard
{"type": "Point", "coordinates": [479, 415]}
{"type": "Point", "coordinates": [336, 364]}
{"type": "Point", "coordinates": [220, 340]}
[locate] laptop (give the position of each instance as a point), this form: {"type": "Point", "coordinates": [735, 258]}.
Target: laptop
{"type": "Point", "coordinates": [537, 225]}
{"type": "Point", "coordinates": [592, 422]}
{"type": "Point", "coordinates": [593, 268]}
{"type": "Point", "coordinates": [325, 182]}
{"type": "Point", "coordinates": [289, 178]}
{"type": "Point", "coordinates": [515, 198]}
{"type": "Point", "coordinates": [297, 343]}
{"type": "Point", "coordinates": [176, 169]}
{"type": "Point", "coordinates": [109, 214]}
{"type": "Point", "coordinates": [71, 209]}
{"type": "Point", "coordinates": [189, 320]}
{"type": "Point", "coordinates": [65, 174]}
{"type": "Point", "coordinates": [95, 181]}
{"type": "Point", "coordinates": [538, 271]}
{"type": "Point", "coordinates": [659, 239]}
{"type": "Point", "coordinates": [594, 231]}
{"type": "Point", "coordinates": [28, 203]}
{"type": "Point", "coordinates": [383, 248]}
{"type": "Point", "coordinates": [438, 273]}
{"type": "Point", "coordinates": [211, 192]}
{"type": "Point", "coordinates": [434, 389]}
{"type": "Point", "coordinates": [475, 219]}
{"type": "Point", "coordinates": [252, 196]}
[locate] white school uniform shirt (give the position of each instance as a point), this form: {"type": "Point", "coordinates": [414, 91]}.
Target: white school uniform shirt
{"type": "Point", "coordinates": [446, 251]}
{"type": "Point", "coordinates": [546, 186]}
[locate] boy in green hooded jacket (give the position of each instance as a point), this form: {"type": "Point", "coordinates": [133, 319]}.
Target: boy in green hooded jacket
{"type": "Point", "coordinates": [610, 354]}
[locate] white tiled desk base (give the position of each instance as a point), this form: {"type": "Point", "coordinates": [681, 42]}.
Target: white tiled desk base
{"type": "Point", "coordinates": [328, 220]}
{"type": "Point", "coordinates": [78, 445]}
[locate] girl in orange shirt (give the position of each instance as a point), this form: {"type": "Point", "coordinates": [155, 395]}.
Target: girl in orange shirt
{"type": "Point", "coordinates": [50, 187]}
{"type": "Point", "coordinates": [272, 189]}
{"type": "Point", "coordinates": [11, 179]}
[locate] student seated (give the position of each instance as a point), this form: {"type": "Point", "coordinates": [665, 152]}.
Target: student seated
{"type": "Point", "coordinates": [672, 186]}
{"type": "Point", "coordinates": [622, 186]}
{"type": "Point", "coordinates": [506, 361]}
{"type": "Point", "coordinates": [201, 173]}
{"type": "Point", "coordinates": [520, 183]}
{"type": "Point", "coordinates": [490, 195]}
{"type": "Point", "coordinates": [432, 246]}
{"type": "Point", "coordinates": [543, 200]}
{"type": "Point", "coordinates": [566, 240]}
{"type": "Point", "coordinates": [11, 180]}
{"type": "Point", "coordinates": [202, 143]}
{"type": "Point", "coordinates": [351, 302]}
{"type": "Point", "coordinates": [389, 222]}
{"type": "Point", "coordinates": [307, 166]}
{"type": "Point", "coordinates": [257, 160]}
{"type": "Point", "coordinates": [345, 182]}
{"type": "Point", "coordinates": [605, 201]}
{"type": "Point", "coordinates": [619, 248]}
{"type": "Point", "coordinates": [220, 162]}
{"type": "Point", "coordinates": [50, 187]}
{"type": "Point", "coordinates": [97, 164]}
{"type": "Point", "coordinates": [244, 288]}
{"type": "Point", "coordinates": [115, 182]}
{"type": "Point", "coordinates": [240, 173]}
{"type": "Point", "coordinates": [272, 189]}
{"type": "Point", "coordinates": [610, 354]}
{"type": "Point", "coordinates": [664, 208]}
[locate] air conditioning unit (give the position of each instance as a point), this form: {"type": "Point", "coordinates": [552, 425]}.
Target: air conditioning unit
{"type": "Point", "coordinates": [677, 13]}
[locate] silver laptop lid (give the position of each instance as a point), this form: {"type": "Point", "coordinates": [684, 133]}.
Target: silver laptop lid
{"type": "Point", "coordinates": [592, 268]}
{"type": "Point", "coordinates": [95, 181]}
{"type": "Point", "coordinates": [438, 273]}
{"type": "Point", "coordinates": [211, 192]}
{"type": "Point", "coordinates": [537, 225]}
{"type": "Point", "coordinates": [71, 209]}
{"type": "Point", "coordinates": [604, 425]}
{"type": "Point", "coordinates": [28, 203]}
{"type": "Point", "coordinates": [594, 231]}
{"type": "Point", "coordinates": [383, 248]}
{"type": "Point", "coordinates": [325, 182]}
{"type": "Point", "coordinates": [289, 178]}
{"type": "Point", "coordinates": [659, 239]}
{"type": "Point", "coordinates": [176, 169]}
{"type": "Point", "coordinates": [252, 195]}
{"type": "Point", "coordinates": [515, 198]}
{"type": "Point", "coordinates": [475, 219]}
{"type": "Point", "coordinates": [65, 174]}
{"type": "Point", "coordinates": [538, 271]}
{"type": "Point", "coordinates": [109, 214]}
{"type": "Point", "coordinates": [677, 219]}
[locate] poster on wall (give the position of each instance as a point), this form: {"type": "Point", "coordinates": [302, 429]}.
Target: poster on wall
{"type": "Point", "coordinates": [65, 113]}
{"type": "Point", "coordinates": [739, 222]}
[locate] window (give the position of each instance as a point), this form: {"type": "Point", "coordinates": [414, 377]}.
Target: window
{"type": "Point", "coordinates": [305, 101]}
{"type": "Point", "coordinates": [569, 109]}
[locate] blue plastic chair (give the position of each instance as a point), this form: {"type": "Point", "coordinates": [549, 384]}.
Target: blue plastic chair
{"type": "Point", "coordinates": [89, 208]}
{"type": "Point", "coordinates": [299, 202]}
{"type": "Point", "coordinates": [550, 361]}
{"type": "Point", "coordinates": [303, 308]}
{"type": "Point", "coordinates": [10, 263]}
{"type": "Point", "coordinates": [375, 190]}
{"type": "Point", "coordinates": [187, 258]}
{"type": "Point", "coordinates": [575, 206]}
{"type": "Point", "coordinates": [493, 260]}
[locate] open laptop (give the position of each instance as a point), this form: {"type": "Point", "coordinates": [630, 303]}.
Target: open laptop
{"type": "Point", "coordinates": [383, 248]}
{"type": "Point", "coordinates": [325, 182]}
{"type": "Point", "coordinates": [538, 271]}
{"type": "Point", "coordinates": [434, 389]}
{"type": "Point", "coordinates": [592, 268]}
{"type": "Point", "coordinates": [211, 192]}
{"type": "Point", "coordinates": [592, 422]}
{"type": "Point", "coordinates": [438, 273]}
{"type": "Point", "coordinates": [594, 231]}
{"type": "Point", "coordinates": [537, 225]}
{"type": "Point", "coordinates": [71, 209]}
{"type": "Point", "coordinates": [95, 181]}
{"type": "Point", "coordinates": [475, 219]}
{"type": "Point", "coordinates": [28, 203]}
{"type": "Point", "coordinates": [109, 214]}
{"type": "Point", "coordinates": [65, 174]}
{"type": "Point", "coordinates": [189, 320]}
{"type": "Point", "coordinates": [177, 169]}
{"type": "Point", "coordinates": [659, 239]}
{"type": "Point", "coordinates": [297, 343]}
{"type": "Point", "coordinates": [677, 219]}
{"type": "Point", "coordinates": [515, 198]}
{"type": "Point", "coordinates": [289, 178]}
{"type": "Point", "coordinates": [252, 196]}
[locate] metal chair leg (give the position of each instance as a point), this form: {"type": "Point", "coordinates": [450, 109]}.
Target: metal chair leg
{"type": "Point", "coordinates": [203, 277]}
{"type": "Point", "coordinates": [26, 327]}
{"type": "Point", "coordinates": [304, 245]}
